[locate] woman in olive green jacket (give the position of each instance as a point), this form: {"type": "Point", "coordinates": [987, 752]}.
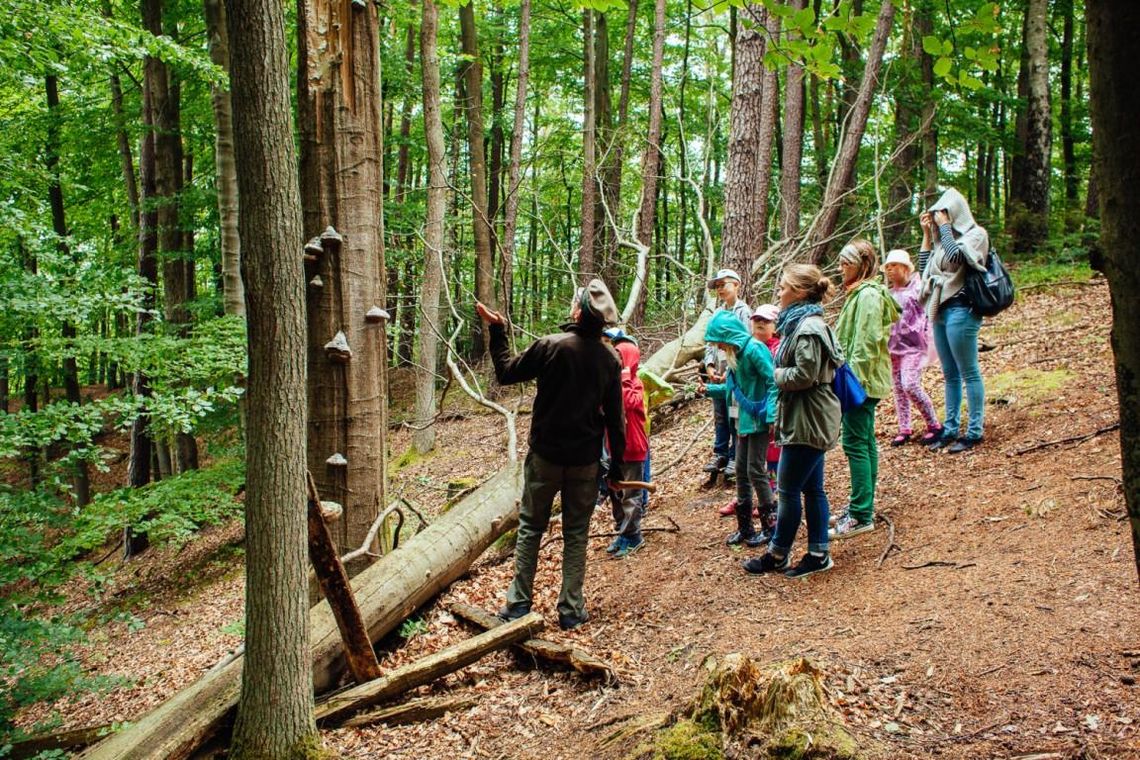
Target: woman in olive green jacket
{"type": "Point", "coordinates": [864, 328]}
{"type": "Point", "coordinates": [807, 421]}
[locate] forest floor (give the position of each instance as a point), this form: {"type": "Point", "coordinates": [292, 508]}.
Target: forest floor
{"type": "Point", "coordinates": [1007, 623]}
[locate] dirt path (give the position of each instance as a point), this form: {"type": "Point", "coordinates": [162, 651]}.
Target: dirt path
{"type": "Point", "coordinates": [1007, 623]}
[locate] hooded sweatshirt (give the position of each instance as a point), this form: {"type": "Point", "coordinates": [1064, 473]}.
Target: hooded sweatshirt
{"type": "Point", "coordinates": [864, 330]}
{"type": "Point", "coordinates": [633, 399]}
{"type": "Point", "coordinates": [749, 386]}
{"type": "Point", "coordinates": [961, 244]}
{"type": "Point", "coordinates": [714, 355]}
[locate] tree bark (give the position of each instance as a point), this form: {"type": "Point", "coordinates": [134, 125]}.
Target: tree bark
{"type": "Point", "coordinates": [387, 592]}
{"type": "Point", "coordinates": [743, 207]}
{"type": "Point", "coordinates": [337, 590]}
{"type": "Point", "coordinates": [430, 313]}
{"type": "Point", "coordinates": [514, 169]}
{"type": "Point", "coordinates": [472, 70]}
{"type": "Point", "coordinates": [1116, 150]}
{"type": "Point", "coordinates": [342, 209]}
{"type": "Point", "coordinates": [275, 714]}
{"type": "Point", "coordinates": [402, 154]}
{"type": "Point", "coordinates": [908, 151]}
{"type": "Point", "coordinates": [1068, 142]}
{"type": "Point", "coordinates": [843, 169]}
{"type": "Point", "coordinates": [80, 481]}
{"type": "Point", "coordinates": [769, 113]}
{"type": "Point", "coordinates": [587, 264]}
{"type": "Point", "coordinates": [225, 174]}
{"type": "Point", "coordinates": [1028, 219]}
{"type": "Point", "coordinates": [650, 166]}
{"type": "Point", "coordinates": [793, 143]}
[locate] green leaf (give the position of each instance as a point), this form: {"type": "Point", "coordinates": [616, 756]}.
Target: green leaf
{"type": "Point", "coordinates": [970, 53]}
{"type": "Point", "coordinates": [942, 66]}
{"type": "Point", "coordinates": [947, 47]}
{"type": "Point", "coordinates": [931, 45]}
{"type": "Point", "coordinates": [804, 20]}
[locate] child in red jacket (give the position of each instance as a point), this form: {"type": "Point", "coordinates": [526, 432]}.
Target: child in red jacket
{"type": "Point", "coordinates": [627, 512]}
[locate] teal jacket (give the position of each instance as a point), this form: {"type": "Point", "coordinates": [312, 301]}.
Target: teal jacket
{"type": "Point", "coordinates": [751, 386]}
{"type": "Point", "coordinates": [863, 329]}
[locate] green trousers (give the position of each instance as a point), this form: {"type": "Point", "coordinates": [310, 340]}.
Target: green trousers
{"type": "Point", "coordinates": [862, 457]}
{"type": "Point", "coordinates": [579, 489]}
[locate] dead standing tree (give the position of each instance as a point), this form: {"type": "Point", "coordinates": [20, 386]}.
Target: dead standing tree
{"type": "Point", "coordinates": [341, 194]}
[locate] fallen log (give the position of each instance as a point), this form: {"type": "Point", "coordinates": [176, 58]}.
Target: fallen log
{"type": "Point", "coordinates": [413, 711]}
{"type": "Point", "coordinates": [387, 592]}
{"type": "Point", "coordinates": [540, 649]}
{"type": "Point", "coordinates": [426, 670]}
{"type": "Point", "coordinates": [72, 739]}
{"type": "Point", "coordinates": [675, 354]}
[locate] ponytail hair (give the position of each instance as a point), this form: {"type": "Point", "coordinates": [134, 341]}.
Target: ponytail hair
{"type": "Point", "coordinates": [808, 281]}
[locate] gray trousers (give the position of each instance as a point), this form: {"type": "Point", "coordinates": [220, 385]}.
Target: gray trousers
{"type": "Point", "coordinates": [579, 487]}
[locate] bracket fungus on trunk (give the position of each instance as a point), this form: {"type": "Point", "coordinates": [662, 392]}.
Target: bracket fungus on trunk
{"type": "Point", "coordinates": [337, 349]}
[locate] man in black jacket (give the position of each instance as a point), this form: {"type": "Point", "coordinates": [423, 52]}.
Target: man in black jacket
{"type": "Point", "coordinates": [578, 400]}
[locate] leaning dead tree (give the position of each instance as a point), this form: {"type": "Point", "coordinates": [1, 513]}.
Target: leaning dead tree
{"type": "Point", "coordinates": [386, 593]}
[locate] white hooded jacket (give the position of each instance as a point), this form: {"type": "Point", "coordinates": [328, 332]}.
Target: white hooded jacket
{"type": "Point", "coordinates": [942, 277]}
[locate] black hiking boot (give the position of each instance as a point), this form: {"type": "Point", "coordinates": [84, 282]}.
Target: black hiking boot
{"type": "Point", "coordinates": [513, 612]}
{"type": "Point", "coordinates": [570, 622]}
{"type": "Point", "coordinates": [766, 563]}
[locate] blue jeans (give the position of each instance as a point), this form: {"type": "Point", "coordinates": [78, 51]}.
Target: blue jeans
{"type": "Point", "coordinates": [956, 338]}
{"type": "Point", "coordinates": [724, 440]}
{"type": "Point", "coordinates": [800, 473]}
{"type": "Point", "coordinates": [646, 472]}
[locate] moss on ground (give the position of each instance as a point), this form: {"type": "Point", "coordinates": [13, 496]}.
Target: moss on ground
{"type": "Point", "coordinates": [1027, 385]}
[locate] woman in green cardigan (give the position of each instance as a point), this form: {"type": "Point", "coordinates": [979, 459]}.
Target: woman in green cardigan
{"type": "Point", "coordinates": [863, 329]}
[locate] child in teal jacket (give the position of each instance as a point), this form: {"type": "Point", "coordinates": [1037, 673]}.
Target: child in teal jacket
{"type": "Point", "coordinates": [749, 390]}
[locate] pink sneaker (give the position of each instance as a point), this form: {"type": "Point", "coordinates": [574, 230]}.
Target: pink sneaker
{"type": "Point", "coordinates": [729, 509]}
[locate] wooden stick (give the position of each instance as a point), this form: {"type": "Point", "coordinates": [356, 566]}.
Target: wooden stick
{"type": "Point", "coordinates": [890, 539]}
{"type": "Point", "coordinates": [360, 656]}
{"type": "Point", "coordinates": [427, 670]}
{"type": "Point", "coordinates": [412, 712]}
{"type": "Point", "coordinates": [540, 649]}
{"type": "Point", "coordinates": [636, 485]}
{"type": "Point", "coordinates": [1070, 439]}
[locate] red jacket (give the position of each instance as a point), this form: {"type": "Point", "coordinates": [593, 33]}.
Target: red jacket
{"type": "Point", "coordinates": [633, 399]}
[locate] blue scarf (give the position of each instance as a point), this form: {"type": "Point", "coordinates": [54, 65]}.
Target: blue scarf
{"type": "Point", "coordinates": [789, 321]}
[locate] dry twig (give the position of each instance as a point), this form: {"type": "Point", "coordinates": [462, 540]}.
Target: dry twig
{"type": "Point", "coordinates": [890, 539]}
{"type": "Point", "coordinates": [1070, 439]}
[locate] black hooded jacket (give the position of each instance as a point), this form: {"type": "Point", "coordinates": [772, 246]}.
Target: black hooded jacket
{"type": "Point", "coordinates": [579, 393]}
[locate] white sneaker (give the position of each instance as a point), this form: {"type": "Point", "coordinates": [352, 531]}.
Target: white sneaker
{"type": "Point", "coordinates": [848, 526]}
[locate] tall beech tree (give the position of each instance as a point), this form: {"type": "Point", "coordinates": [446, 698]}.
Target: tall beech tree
{"type": "Point", "coordinates": [275, 711]}
{"type": "Point", "coordinates": [430, 312]}
{"type": "Point", "coordinates": [793, 142]}
{"type": "Point", "coordinates": [1112, 28]}
{"type": "Point", "coordinates": [342, 197]}
{"type": "Point", "coordinates": [1028, 213]}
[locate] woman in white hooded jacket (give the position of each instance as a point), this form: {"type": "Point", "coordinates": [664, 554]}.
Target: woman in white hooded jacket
{"type": "Point", "coordinates": [952, 244]}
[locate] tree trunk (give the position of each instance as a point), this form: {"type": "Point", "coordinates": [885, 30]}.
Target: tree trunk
{"type": "Point", "coordinates": [495, 178]}
{"type": "Point", "coordinates": [1116, 150]}
{"type": "Point", "coordinates": [1068, 142]}
{"type": "Point", "coordinates": [387, 592]}
{"type": "Point", "coordinates": [769, 113]}
{"type": "Point", "coordinates": [1028, 219]}
{"type": "Point", "coordinates": [342, 213]}
{"type": "Point", "coordinates": [843, 170]}
{"type": "Point", "coordinates": [908, 142]}
{"type": "Point", "coordinates": [514, 171]}
{"type": "Point", "coordinates": [793, 143]}
{"type": "Point", "coordinates": [472, 69]}
{"type": "Point", "coordinates": [275, 714]}
{"type": "Point", "coordinates": [402, 161]}
{"type": "Point", "coordinates": [154, 83]}
{"type": "Point", "coordinates": [743, 207]}
{"type": "Point", "coordinates": [430, 312]}
{"type": "Point", "coordinates": [80, 481]}
{"type": "Point", "coordinates": [225, 175]}
{"type": "Point", "coordinates": [650, 167]}
{"type": "Point", "coordinates": [587, 264]}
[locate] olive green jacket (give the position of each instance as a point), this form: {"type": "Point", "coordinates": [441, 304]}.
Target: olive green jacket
{"type": "Point", "coordinates": [807, 411]}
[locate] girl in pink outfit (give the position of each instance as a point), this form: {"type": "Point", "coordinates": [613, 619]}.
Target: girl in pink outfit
{"type": "Point", "coordinates": [909, 346]}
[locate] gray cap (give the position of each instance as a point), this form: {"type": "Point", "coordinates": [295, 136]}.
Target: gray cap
{"type": "Point", "coordinates": [598, 300]}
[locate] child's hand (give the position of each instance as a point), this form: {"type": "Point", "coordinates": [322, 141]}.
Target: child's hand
{"type": "Point", "coordinates": [701, 388]}
{"type": "Point", "coordinates": [941, 218]}
{"type": "Point", "coordinates": [926, 221]}
{"type": "Point", "coordinates": [626, 374]}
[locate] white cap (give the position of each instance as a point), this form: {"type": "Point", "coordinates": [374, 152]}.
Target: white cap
{"type": "Point", "coordinates": [723, 274]}
{"type": "Point", "coordinates": [767, 312]}
{"type": "Point", "coordinates": [899, 256]}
